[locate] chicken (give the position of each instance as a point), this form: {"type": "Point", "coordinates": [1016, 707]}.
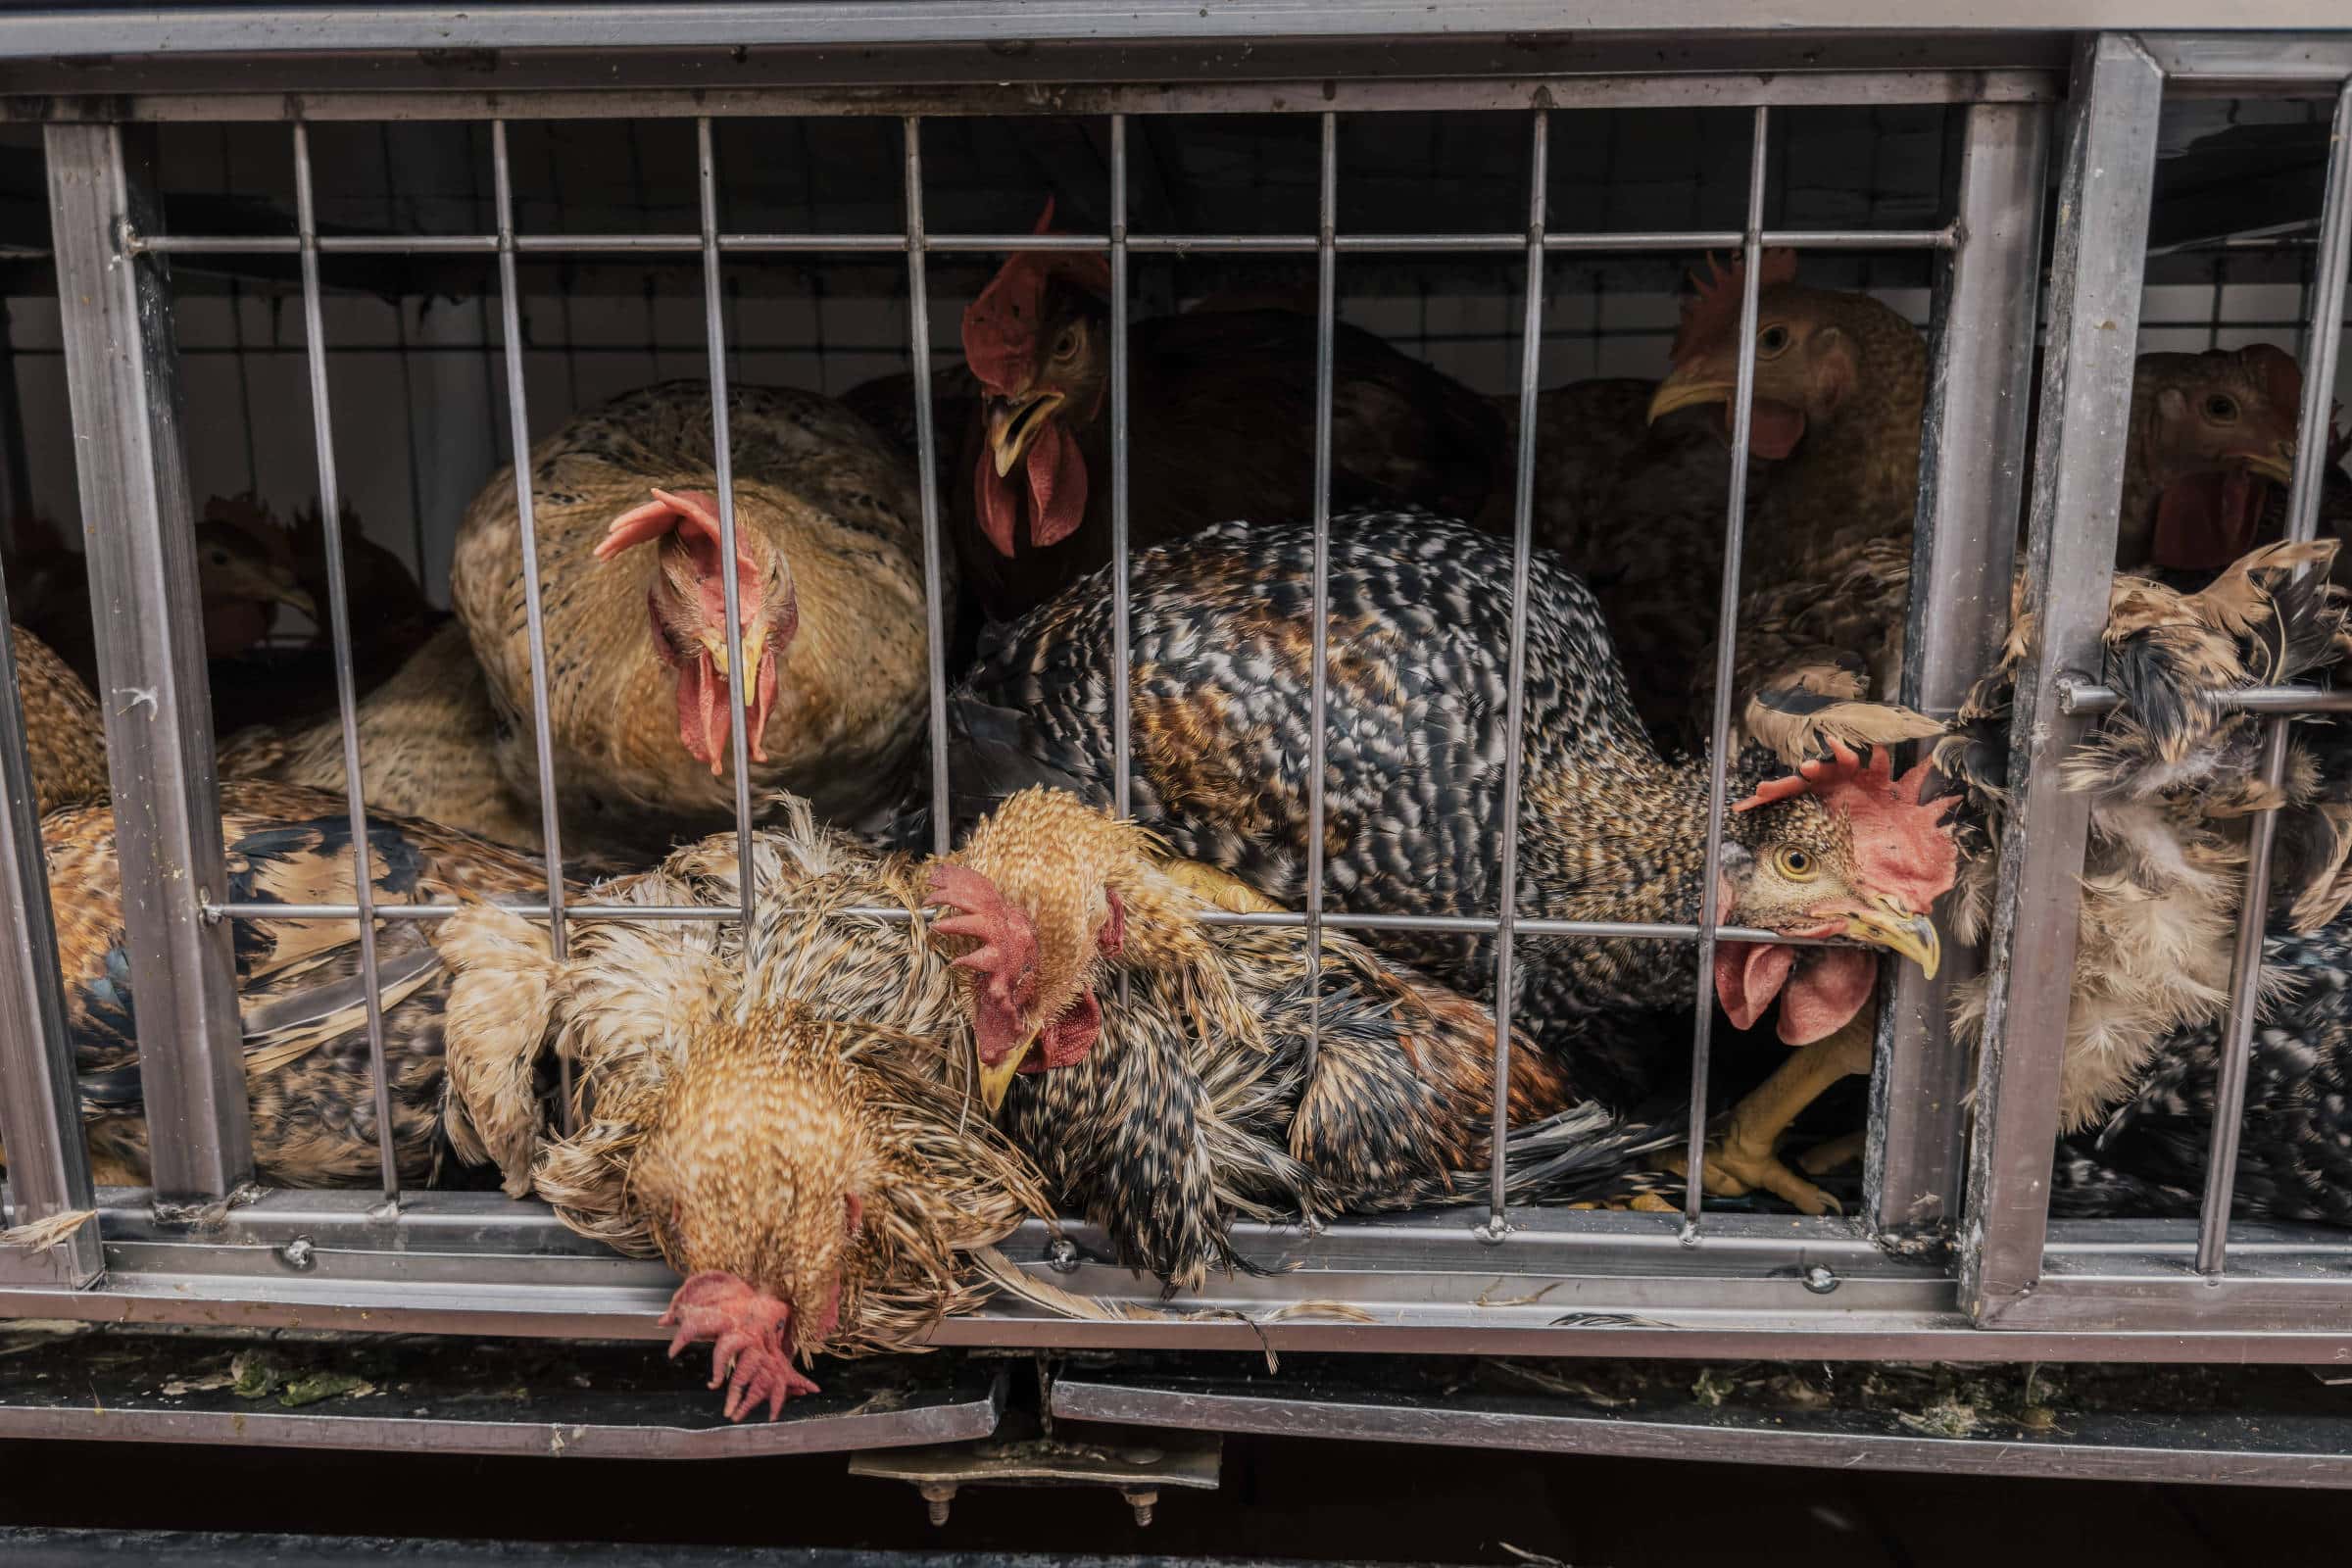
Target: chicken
{"type": "Point", "coordinates": [304, 1040]}
{"type": "Point", "coordinates": [428, 747]}
{"type": "Point", "coordinates": [887, 402]}
{"type": "Point", "coordinates": [1636, 507]}
{"type": "Point", "coordinates": [1840, 382]}
{"type": "Point", "coordinates": [2174, 781]}
{"type": "Point", "coordinates": [64, 735]}
{"type": "Point", "coordinates": [240, 578]}
{"type": "Point", "coordinates": [2212, 438]}
{"type": "Point", "coordinates": [1221, 408]}
{"type": "Point", "coordinates": [1609, 830]}
{"type": "Point", "coordinates": [829, 553]}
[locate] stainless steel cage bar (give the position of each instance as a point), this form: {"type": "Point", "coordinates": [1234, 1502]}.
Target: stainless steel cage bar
{"type": "Point", "coordinates": [40, 1107]}
{"type": "Point", "coordinates": [1318, 629]}
{"type": "Point", "coordinates": [1970, 487]}
{"type": "Point", "coordinates": [2312, 460]}
{"type": "Point", "coordinates": [123, 381]}
{"type": "Point", "coordinates": [347, 702]}
{"type": "Point", "coordinates": [926, 463]}
{"type": "Point", "coordinates": [1523, 524]}
{"type": "Point", "coordinates": [1727, 637]}
{"type": "Point", "coordinates": [730, 566]}
{"type": "Point", "coordinates": [2106, 180]}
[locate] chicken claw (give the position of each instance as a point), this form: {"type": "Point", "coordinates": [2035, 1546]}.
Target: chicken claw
{"type": "Point", "coordinates": [746, 1331]}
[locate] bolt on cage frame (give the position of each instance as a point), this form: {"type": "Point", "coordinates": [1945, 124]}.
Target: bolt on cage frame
{"type": "Point", "coordinates": [203, 1248]}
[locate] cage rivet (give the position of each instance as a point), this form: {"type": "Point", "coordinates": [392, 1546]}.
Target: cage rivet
{"type": "Point", "coordinates": [1062, 1256]}
{"type": "Point", "coordinates": [1143, 1503]}
{"type": "Point", "coordinates": [300, 1255]}
{"type": "Point", "coordinates": [938, 1497]}
{"type": "Point", "coordinates": [1821, 1279]}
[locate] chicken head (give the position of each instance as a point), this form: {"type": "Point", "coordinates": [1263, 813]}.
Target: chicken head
{"type": "Point", "coordinates": [1035, 341]}
{"type": "Point", "coordinates": [2210, 431]}
{"type": "Point", "coordinates": [1807, 357]}
{"type": "Point", "coordinates": [688, 605]}
{"type": "Point", "coordinates": [1051, 890]}
{"type": "Point", "coordinates": [1841, 848]}
{"type": "Point", "coordinates": [754, 1176]}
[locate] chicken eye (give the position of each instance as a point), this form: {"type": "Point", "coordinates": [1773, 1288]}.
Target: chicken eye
{"type": "Point", "coordinates": [1066, 347]}
{"type": "Point", "coordinates": [1774, 339]}
{"type": "Point", "coordinates": [218, 558]}
{"type": "Point", "coordinates": [2220, 408]}
{"type": "Point", "coordinates": [1797, 865]}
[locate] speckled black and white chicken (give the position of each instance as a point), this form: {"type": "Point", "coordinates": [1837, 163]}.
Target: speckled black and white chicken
{"type": "Point", "coordinates": [2174, 780]}
{"type": "Point", "coordinates": [1609, 829]}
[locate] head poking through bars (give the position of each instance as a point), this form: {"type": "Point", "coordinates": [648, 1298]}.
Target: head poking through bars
{"type": "Point", "coordinates": [687, 604]}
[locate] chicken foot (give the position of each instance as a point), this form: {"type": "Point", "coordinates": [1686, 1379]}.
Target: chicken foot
{"type": "Point", "coordinates": [1742, 1157]}
{"type": "Point", "coordinates": [746, 1331]}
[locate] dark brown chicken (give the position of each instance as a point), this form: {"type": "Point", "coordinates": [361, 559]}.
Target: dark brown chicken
{"type": "Point", "coordinates": [1841, 381]}
{"type": "Point", "coordinates": [64, 735]}
{"type": "Point", "coordinates": [2211, 437]}
{"type": "Point", "coordinates": [1222, 414]}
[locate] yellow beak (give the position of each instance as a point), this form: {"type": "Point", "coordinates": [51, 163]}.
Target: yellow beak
{"type": "Point", "coordinates": [996, 1079]}
{"type": "Point", "coordinates": [2276, 468]}
{"type": "Point", "coordinates": [1679, 391]}
{"type": "Point", "coordinates": [296, 599]}
{"type": "Point", "coordinates": [1014, 423]}
{"type": "Point", "coordinates": [1914, 935]}
{"type": "Point", "coordinates": [754, 640]}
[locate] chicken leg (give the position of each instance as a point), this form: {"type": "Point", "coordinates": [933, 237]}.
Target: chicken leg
{"type": "Point", "coordinates": [1741, 1157]}
{"type": "Point", "coordinates": [748, 1351]}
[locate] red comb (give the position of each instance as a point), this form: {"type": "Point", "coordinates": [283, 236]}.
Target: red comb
{"type": "Point", "coordinates": [1901, 847]}
{"type": "Point", "coordinates": [1713, 308]}
{"type": "Point", "coordinates": [1001, 327]}
{"type": "Point", "coordinates": [2280, 377]}
{"type": "Point", "coordinates": [1007, 951]}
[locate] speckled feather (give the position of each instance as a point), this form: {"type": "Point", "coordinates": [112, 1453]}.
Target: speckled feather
{"type": "Point", "coordinates": [63, 733]}
{"type": "Point", "coordinates": [314, 1115]}
{"type": "Point", "coordinates": [812, 479]}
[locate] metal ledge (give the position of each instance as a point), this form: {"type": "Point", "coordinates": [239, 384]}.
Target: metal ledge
{"type": "Point", "coordinates": [2236, 1426]}
{"type": "Point", "coordinates": [459, 1396]}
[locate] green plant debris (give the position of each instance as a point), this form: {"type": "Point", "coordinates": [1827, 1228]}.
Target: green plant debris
{"type": "Point", "coordinates": [320, 1386]}
{"type": "Point", "coordinates": [255, 1375]}
{"type": "Point", "coordinates": [1945, 1418]}
{"type": "Point", "coordinates": [1714, 1385]}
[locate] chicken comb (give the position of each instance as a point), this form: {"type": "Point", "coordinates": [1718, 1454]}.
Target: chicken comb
{"type": "Point", "coordinates": [2276, 372]}
{"type": "Point", "coordinates": [1001, 327]}
{"type": "Point", "coordinates": [1713, 306]}
{"type": "Point", "coordinates": [1007, 950]}
{"type": "Point", "coordinates": [1902, 846]}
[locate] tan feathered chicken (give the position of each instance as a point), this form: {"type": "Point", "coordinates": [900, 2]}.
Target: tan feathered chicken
{"type": "Point", "coordinates": [64, 735]}
{"type": "Point", "coordinates": [830, 555]}
{"type": "Point", "coordinates": [428, 747]}
{"type": "Point", "coordinates": [1840, 382]}
{"type": "Point", "coordinates": [2211, 436]}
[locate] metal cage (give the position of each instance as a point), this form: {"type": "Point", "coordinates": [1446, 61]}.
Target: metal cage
{"type": "Point", "coordinates": [205, 1248]}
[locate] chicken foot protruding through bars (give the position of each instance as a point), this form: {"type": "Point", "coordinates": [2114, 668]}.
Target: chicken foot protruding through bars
{"type": "Point", "coordinates": [1742, 1157]}
{"type": "Point", "coordinates": [746, 1331]}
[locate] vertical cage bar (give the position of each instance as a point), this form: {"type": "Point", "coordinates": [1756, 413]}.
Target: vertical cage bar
{"type": "Point", "coordinates": [731, 569]}
{"type": "Point", "coordinates": [1972, 491]}
{"type": "Point", "coordinates": [1327, 310]}
{"type": "Point", "coordinates": [1122, 737]}
{"type": "Point", "coordinates": [122, 380]}
{"type": "Point", "coordinates": [926, 464]}
{"type": "Point", "coordinates": [1727, 637]}
{"type": "Point", "coordinates": [518, 428]}
{"type": "Point", "coordinates": [40, 1109]}
{"type": "Point", "coordinates": [2323, 340]}
{"type": "Point", "coordinates": [1523, 508]}
{"type": "Point", "coordinates": [2113, 101]}
{"type": "Point", "coordinates": [338, 613]}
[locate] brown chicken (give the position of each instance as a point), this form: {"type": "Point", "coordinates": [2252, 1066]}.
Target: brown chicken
{"type": "Point", "coordinates": [829, 551]}
{"type": "Point", "coordinates": [305, 1039]}
{"type": "Point", "coordinates": [2211, 435]}
{"type": "Point", "coordinates": [1635, 506]}
{"type": "Point", "coordinates": [64, 735]}
{"type": "Point", "coordinates": [428, 747]}
{"type": "Point", "coordinates": [241, 578]}
{"type": "Point", "coordinates": [1841, 381]}
{"type": "Point", "coordinates": [1222, 417]}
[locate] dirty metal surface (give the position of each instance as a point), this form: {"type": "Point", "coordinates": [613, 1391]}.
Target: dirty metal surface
{"type": "Point", "coordinates": [609, 1400]}
{"type": "Point", "coordinates": [2253, 1424]}
{"type": "Point", "coordinates": [1136, 1462]}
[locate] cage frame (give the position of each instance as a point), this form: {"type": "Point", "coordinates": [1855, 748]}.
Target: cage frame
{"type": "Point", "coordinates": [209, 1249]}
